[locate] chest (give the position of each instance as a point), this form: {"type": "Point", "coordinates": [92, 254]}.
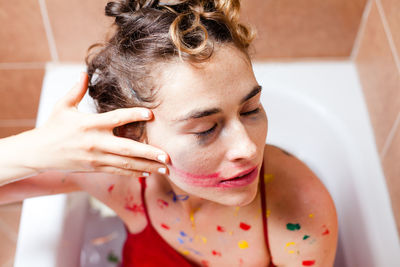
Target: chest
{"type": "Point", "coordinates": [232, 237]}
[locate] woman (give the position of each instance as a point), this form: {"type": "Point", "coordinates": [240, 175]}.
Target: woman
{"type": "Point", "coordinates": [210, 192]}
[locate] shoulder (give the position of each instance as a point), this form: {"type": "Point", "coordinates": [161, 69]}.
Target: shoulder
{"type": "Point", "coordinates": [302, 222]}
{"type": "Point", "coordinates": [122, 194]}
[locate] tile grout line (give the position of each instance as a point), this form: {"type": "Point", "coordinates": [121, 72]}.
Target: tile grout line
{"type": "Point", "coordinates": [390, 137]}
{"type": "Point", "coordinates": [361, 30]}
{"type": "Point", "coordinates": [22, 65]}
{"type": "Point", "coordinates": [17, 122]}
{"type": "Point", "coordinates": [49, 33]}
{"type": "Point", "coordinates": [389, 35]}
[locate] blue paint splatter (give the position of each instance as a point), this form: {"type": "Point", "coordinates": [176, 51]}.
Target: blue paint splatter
{"type": "Point", "coordinates": [183, 233]}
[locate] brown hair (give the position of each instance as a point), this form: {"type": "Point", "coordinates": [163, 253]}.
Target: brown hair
{"type": "Point", "coordinates": [122, 70]}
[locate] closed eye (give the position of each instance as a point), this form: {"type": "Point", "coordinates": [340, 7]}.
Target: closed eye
{"type": "Point", "coordinates": [200, 134]}
{"type": "Point", "coordinates": [254, 111]}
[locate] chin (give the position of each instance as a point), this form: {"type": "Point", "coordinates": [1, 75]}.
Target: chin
{"type": "Point", "coordinates": [238, 197]}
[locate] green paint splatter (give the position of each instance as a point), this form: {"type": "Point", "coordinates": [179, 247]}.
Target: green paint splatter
{"type": "Point", "coordinates": [293, 226]}
{"type": "Point", "coordinates": [112, 257]}
{"type": "Point", "coordinates": [305, 237]}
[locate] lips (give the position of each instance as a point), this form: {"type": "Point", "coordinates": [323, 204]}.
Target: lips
{"type": "Point", "coordinates": [241, 174]}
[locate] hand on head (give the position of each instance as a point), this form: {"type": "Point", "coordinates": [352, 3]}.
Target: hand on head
{"type": "Point", "coordinates": [81, 142]}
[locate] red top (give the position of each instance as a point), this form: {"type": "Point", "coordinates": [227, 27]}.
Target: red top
{"type": "Point", "coordinates": [148, 248]}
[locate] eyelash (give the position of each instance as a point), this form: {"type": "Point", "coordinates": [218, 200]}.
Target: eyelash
{"type": "Point", "coordinates": [205, 133]}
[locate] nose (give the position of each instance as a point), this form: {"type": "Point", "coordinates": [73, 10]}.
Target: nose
{"type": "Point", "coordinates": [239, 143]}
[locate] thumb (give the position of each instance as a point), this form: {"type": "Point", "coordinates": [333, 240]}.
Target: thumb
{"type": "Point", "coordinates": [75, 95]}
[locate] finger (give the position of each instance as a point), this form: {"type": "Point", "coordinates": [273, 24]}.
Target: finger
{"type": "Point", "coordinates": [120, 117]}
{"type": "Point", "coordinates": [143, 166]}
{"type": "Point", "coordinates": [119, 171]}
{"type": "Point", "coordinates": [130, 148]}
{"type": "Point", "coordinates": [75, 95]}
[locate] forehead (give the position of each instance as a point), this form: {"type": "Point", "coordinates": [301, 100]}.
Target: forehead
{"type": "Point", "coordinates": [226, 76]}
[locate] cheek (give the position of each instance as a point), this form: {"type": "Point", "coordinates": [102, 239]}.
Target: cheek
{"type": "Point", "coordinates": [192, 160]}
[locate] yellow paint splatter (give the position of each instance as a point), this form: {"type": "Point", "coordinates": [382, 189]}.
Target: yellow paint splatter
{"type": "Point", "coordinates": [243, 244]}
{"type": "Point", "coordinates": [191, 214]}
{"type": "Point", "coordinates": [185, 252]}
{"type": "Point", "coordinates": [236, 211]}
{"type": "Point", "coordinates": [258, 213]}
{"type": "Point", "coordinates": [230, 232]}
{"type": "Point", "coordinates": [202, 238]}
{"type": "Point", "coordinates": [268, 178]}
{"type": "Point", "coordinates": [268, 212]}
{"type": "Point", "coordinates": [288, 245]}
{"type": "Point", "coordinates": [311, 215]}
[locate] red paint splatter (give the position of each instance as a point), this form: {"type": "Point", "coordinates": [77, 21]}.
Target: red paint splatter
{"type": "Point", "coordinates": [162, 203]}
{"type": "Point", "coordinates": [216, 253]}
{"type": "Point", "coordinates": [220, 228]}
{"type": "Point", "coordinates": [135, 207]}
{"type": "Point", "coordinates": [165, 226]}
{"type": "Point", "coordinates": [326, 231]}
{"type": "Point", "coordinates": [110, 188]}
{"type": "Point", "coordinates": [308, 263]}
{"type": "Point", "coordinates": [205, 263]}
{"type": "Point", "coordinates": [240, 261]}
{"type": "Point", "coordinates": [244, 226]}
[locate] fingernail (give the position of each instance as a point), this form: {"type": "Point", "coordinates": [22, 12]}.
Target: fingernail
{"type": "Point", "coordinates": [145, 114]}
{"type": "Point", "coordinates": [162, 158]}
{"type": "Point", "coordinates": [162, 170]}
{"type": "Point", "coordinates": [145, 174]}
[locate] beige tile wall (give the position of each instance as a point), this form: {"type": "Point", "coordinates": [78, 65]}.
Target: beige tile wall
{"type": "Point", "coordinates": [34, 32]}
{"type": "Point", "coordinates": [376, 54]}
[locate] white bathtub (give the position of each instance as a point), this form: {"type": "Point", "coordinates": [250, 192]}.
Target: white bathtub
{"type": "Point", "coordinates": [316, 111]}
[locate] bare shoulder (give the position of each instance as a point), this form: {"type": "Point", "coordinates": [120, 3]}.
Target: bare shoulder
{"type": "Point", "coordinates": [120, 193]}
{"type": "Point", "coordinates": [302, 221]}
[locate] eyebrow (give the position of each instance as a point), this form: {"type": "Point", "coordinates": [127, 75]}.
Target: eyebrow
{"type": "Point", "coordinates": [196, 114]}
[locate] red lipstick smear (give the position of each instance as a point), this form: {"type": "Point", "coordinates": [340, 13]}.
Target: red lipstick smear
{"type": "Point", "coordinates": [244, 226]}
{"type": "Point", "coordinates": [110, 188]}
{"type": "Point", "coordinates": [309, 263]}
{"type": "Point", "coordinates": [213, 179]}
{"type": "Point", "coordinates": [195, 176]}
{"type": "Point", "coordinates": [220, 228]}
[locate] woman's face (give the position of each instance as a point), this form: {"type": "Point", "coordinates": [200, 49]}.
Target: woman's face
{"type": "Point", "coordinates": [213, 126]}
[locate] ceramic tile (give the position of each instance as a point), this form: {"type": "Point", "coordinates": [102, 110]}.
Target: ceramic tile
{"type": "Point", "coordinates": [392, 13]}
{"type": "Point", "coordinates": [7, 247]}
{"type": "Point", "coordinates": [10, 215]}
{"type": "Point", "coordinates": [22, 32]}
{"type": "Point", "coordinates": [379, 77]}
{"type": "Point", "coordinates": [20, 93]}
{"type": "Point", "coordinates": [76, 25]}
{"type": "Point", "coordinates": [303, 28]}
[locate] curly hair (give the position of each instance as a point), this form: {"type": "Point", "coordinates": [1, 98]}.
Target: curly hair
{"type": "Point", "coordinates": [122, 71]}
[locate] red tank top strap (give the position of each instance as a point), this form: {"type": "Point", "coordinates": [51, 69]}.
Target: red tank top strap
{"type": "Point", "coordinates": [142, 181]}
{"type": "Point", "coordinates": [264, 212]}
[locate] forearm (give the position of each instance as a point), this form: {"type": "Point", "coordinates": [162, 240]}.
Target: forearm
{"type": "Point", "coordinates": [46, 183]}
{"type": "Point", "coordinates": [13, 158]}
